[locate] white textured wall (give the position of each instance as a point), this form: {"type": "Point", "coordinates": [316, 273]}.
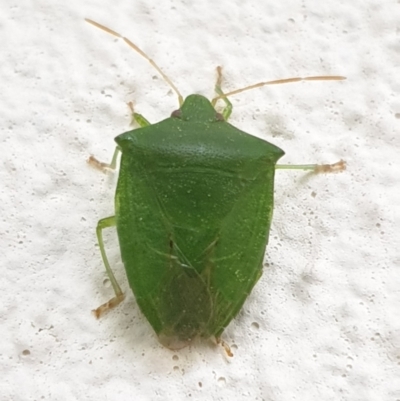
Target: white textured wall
{"type": "Point", "coordinates": [323, 322]}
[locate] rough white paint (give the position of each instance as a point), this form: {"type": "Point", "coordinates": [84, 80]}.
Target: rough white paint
{"type": "Point", "coordinates": [323, 322]}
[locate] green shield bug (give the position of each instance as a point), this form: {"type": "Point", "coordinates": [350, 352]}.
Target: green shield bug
{"type": "Point", "coordinates": [193, 209]}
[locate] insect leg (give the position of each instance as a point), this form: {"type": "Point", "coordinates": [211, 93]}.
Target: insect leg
{"type": "Point", "coordinates": [138, 118]}
{"type": "Point", "coordinates": [316, 168]}
{"type": "Point", "coordinates": [119, 295]}
{"type": "Point", "coordinates": [227, 111]}
{"type": "Point", "coordinates": [105, 166]}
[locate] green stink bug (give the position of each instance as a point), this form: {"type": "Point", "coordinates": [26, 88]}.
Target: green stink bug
{"type": "Point", "coordinates": [193, 209]}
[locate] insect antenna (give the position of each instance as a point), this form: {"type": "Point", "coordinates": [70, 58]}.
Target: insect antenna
{"type": "Point", "coordinates": [279, 81]}
{"type": "Point", "coordinates": [141, 52]}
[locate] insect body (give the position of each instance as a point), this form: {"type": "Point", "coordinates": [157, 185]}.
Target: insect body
{"type": "Point", "coordinates": [193, 210]}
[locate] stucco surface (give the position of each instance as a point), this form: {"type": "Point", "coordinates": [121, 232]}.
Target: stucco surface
{"type": "Point", "coordinates": [323, 321]}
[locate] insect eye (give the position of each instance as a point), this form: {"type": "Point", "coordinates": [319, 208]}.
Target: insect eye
{"type": "Point", "coordinates": [219, 117]}
{"type": "Point", "coordinates": [177, 113]}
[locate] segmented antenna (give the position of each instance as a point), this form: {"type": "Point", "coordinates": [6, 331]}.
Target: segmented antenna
{"type": "Point", "coordinates": [141, 52]}
{"type": "Point", "coordinates": [280, 81]}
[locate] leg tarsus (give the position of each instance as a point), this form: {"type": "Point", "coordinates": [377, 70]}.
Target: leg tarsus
{"type": "Point", "coordinates": [331, 168]}
{"type": "Point", "coordinates": [225, 346]}
{"type": "Point", "coordinates": [112, 303]}
{"type": "Point", "coordinates": [104, 167]}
